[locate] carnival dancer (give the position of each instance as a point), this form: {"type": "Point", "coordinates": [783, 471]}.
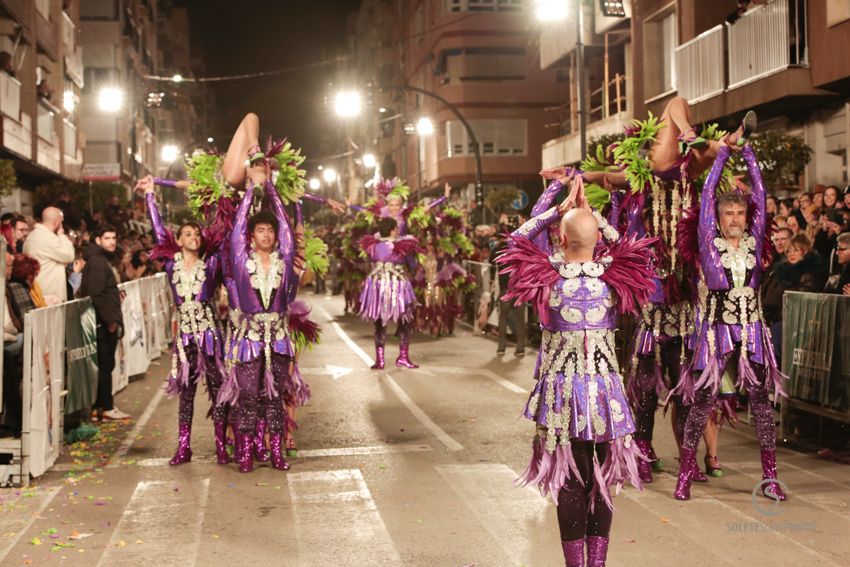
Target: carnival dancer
{"type": "Point", "coordinates": [387, 294]}
{"type": "Point", "coordinates": [584, 439]}
{"type": "Point", "coordinates": [731, 334]}
{"type": "Point", "coordinates": [193, 266]}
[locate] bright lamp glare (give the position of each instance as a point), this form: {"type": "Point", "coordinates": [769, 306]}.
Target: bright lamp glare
{"type": "Point", "coordinates": [329, 175]}
{"type": "Point", "coordinates": [369, 161]}
{"type": "Point", "coordinates": [551, 10]}
{"type": "Point", "coordinates": [110, 99]}
{"type": "Point", "coordinates": [170, 153]}
{"type": "Point", "coordinates": [69, 103]}
{"type": "Point", "coordinates": [424, 127]}
{"type": "Point", "coordinates": [177, 78]}
{"type": "Point", "coordinates": [347, 104]}
{"type": "Point", "coordinates": [315, 183]}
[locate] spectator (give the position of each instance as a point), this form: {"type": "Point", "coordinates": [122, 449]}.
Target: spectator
{"type": "Point", "coordinates": [73, 218]}
{"type": "Point", "coordinates": [75, 275]}
{"type": "Point", "coordinates": [139, 266]}
{"type": "Point", "coordinates": [24, 273]}
{"type": "Point", "coordinates": [804, 270]}
{"type": "Point", "coordinates": [21, 228]}
{"type": "Point", "coordinates": [817, 195]}
{"type": "Point", "coordinates": [53, 251]}
{"type": "Point", "coordinates": [772, 289]}
{"type": "Point", "coordinates": [114, 214]}
{"type": "Point", "coordinates": [780, 221]}
{"type": "Point", "coordinates": [772, 206]}
{"type": "Point", "coordinates": [831, 203]}
{"type": "Point", "coordinates": [100, 284]}
{"type": "Point", "coordinates": [840, 282]}
{"type": "Point", "coordinates": [804, 201]}
{"type": "Point", "coordinates": [796, 223]}
{"type": "Point", "coordinates": [781, 239]}
{"type": "Point", "coordinates": [786, 207]}
{"type": "Point", "coordinates": [507, 225]}
{"type": "Point", "coordinates": [845, 198]}
{"type": "Point", "coordinates": [13, 341]}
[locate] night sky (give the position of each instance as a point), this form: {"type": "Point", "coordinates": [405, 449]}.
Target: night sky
{"type": "Point", "coordinates": [245, 36]}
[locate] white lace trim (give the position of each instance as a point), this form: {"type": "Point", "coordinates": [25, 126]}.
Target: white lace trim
{"type": "Point", "coordinates": [265, 281]}
{"type": "Point", "coordinates": [188, 283]}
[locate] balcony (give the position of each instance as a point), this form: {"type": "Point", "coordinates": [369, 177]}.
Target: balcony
{"type": "Point", "coordinates": [74, 66]}
{"type": "Point", "coordinates": [47, 146]}
{"type": "Point", "coordinates": [766, 40]}
{"type": "Point", "coordinates": [17, 136]}
{"type": "Point", "coordinates": [69, 33]}
{"type": "Point", "coordinates": [700, 66]}
{"type": "Point", "coordinates": [10, 96]}
{"type": "Point", "coordinates": [19, 9]}
{"type": "Point", "coordinates": [45, 33]}
{"type": "Point", "coordinates": [69, 139]}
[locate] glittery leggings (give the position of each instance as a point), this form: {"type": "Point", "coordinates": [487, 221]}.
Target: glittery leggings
{"type": "Point", "coordinates": [213, 380]}
{"type": "Point", "coordinates": [575, 519]}
{"type": "Point", "coordinates": [704, 405]}
{"type": "Point", "coordinates": [381, 332]}
{"type": "Point", "coordinates": [252, 401]}
{"type": "Point", "coordinates": [647, 402]}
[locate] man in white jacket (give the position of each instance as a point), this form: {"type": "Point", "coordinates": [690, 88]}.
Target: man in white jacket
{"type": "Point", "coordinates": [48, 244]}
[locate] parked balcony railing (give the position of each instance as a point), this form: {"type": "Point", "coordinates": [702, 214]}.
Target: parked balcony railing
{"type": "Point", "coordinates": [10, 96]}
{"type": "Point", "coordinates": [68, 33]}
{"type": "Point", "coordinates": [767, 39]}
{"type": "Point", "coordinates": [608, 100]}
{"type": "Point", "coordinates": [46, 123]}
{"type": "Point", "coordinates": [700, 66]}
{"type": "Point", "coordinates": [69, 139]}
{"type": "Point", "coordinates": [74, 66]}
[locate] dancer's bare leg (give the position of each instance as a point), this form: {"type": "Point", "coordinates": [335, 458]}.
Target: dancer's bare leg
{"type": "Point", "coordinates": [246, 136]}
{"type": "Point", "coordinates": [607, 179]}
{"type": "Point", "coordinates": [676, 117]}
{"type": "Point", "coordinates": [710, 435]}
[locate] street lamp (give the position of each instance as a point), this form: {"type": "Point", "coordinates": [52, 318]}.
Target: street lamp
{"type": "Point", "coordinates": [551, 10]}
{"type": "Point", "coordinates": [315, 184]}
{"type": "Point", "coordinates": [69, 103]}
{"type": "Point", "coordinates": [347, 104]}
{"type": "Point", "coordinates": [177, 78]}
{"type": "Point", "coordinates": [110, 99]}
{"type": "Point", "coordinates": [170, 153]}
{"type": "Point", "coordinates": [369, 161]}
{"type": "Point", "coordinates": [329, 175]}
{"type": "Point", "coordinates": [424, 126]}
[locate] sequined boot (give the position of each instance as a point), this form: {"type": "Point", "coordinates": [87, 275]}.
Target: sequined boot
{"type": "Point", "coordinates": [261, 454]}
{"type": "Point", "coordinates": [403, 360]}
{"type": "Point", "coordinates": [245, 445]}
{"type": "Point", "coordinates": [278, 462]}
{"type": "Point", "coordinates": [573, 552]}
{"type": "Point", "coordinates": [771, 490]}
{"type": "Point", "coordinates": [597, 551]}
{"type": "Point", "coordinates": [644, 467]}
{"type": "Point", "coordinates": [379, 358]}
{"type": "Point", "coordinates": [686, 467]}
{"type": "Point", "coordinates": [184, 451]}
{"type": "Point", "coordinates": [221, 443]}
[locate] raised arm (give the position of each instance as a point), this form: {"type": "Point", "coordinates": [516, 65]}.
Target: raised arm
{"type": "Point", "coordinates": [538, 225]}
{"type": "Point", "coordinates": [759, 220]}
{"type": "Point", "coordinates": [159, 230]}
{"type": "Point", "coordinates": [707, 230]}
{"type": "Point", "coordinates": [238, 238]}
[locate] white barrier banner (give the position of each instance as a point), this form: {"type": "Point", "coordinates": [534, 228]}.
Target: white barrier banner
{"type": "Point", "coordinates": [135, 336]}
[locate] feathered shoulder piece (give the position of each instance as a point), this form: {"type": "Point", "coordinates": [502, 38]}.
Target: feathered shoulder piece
{"type": "Point", "coordinates": [166, 249]}
{"type": "Point", "coordinates": [531, 275]}
{"type": "Point", "coordinates": [406, 245]}
{"type": "Point", "coordinates": [687, 237]}
{"type": "Point", "coordinates": [303, 331]}
{"type": "Point", "coordinates": [631, 271]}
{"type": "Point", "coordinates": [368, 242]}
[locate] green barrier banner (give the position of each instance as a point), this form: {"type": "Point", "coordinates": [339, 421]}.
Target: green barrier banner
{"type": "Point", "coordinates": [81, 353]}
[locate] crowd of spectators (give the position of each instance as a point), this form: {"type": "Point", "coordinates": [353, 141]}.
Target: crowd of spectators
{"type": "Point", "coordinates": [49, 260]}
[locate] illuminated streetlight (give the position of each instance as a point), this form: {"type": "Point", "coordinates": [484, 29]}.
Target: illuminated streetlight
{"type": "Point", "coordinates": [424, 126]}
{"type": "Point", "coordinates": [551, 10]}
{"type": "Point", "coordinates": [347, 104]}
{"type": "Point", "coordinates": [210, 140]}
{"type": "Point", "coordinates": [170, 152]}
{"type": "Point", "coordinates": [382, 110]}
{"type": "Point", "coordinates": [177, 78]}
{"type": "Point", "coordinates": [110, 99]}
{"type": "Point", "coordinates": [315, 183]}
{"type": "Point", "coordinates": [329, 175]}
{"type": "Point", "coordinates": [69, 103]}
{"type": "Point", "coordinates": [369, 161]}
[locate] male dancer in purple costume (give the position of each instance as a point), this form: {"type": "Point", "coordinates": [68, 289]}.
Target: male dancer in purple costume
{"type": "Point", "coordinates": [730, 329]}
{"type": "Point", "coordinates": [583, 444]}
{"type": "Point", "coordinates": [387, 293]}
{"type": "Point", "coordinates": [194, 275]}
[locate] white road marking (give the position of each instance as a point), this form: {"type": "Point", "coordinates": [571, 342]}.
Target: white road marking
{"type": "Point", "coordinates": [314, 453]}
{"type": "Point", "coordinates": [41, 499]}
{"type": "Point", "coordinates": [335, 517]}
{"type": "Point", "coordinates": [420, 415]}
{"type": "Point", "coordinates": [161, 525]}
{"type": "Point", "coordinates": [489, 374]}
{"type": "Point", "coordinates": [335, 372]}
{"type": "Point", "coordinates": [139, 425]}
{"type": "Point", "coordinates": [514, 517]}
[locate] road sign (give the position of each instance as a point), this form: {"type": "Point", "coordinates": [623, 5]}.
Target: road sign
{"type": "Point", "coordinates": [102, 172]}
{"type": "Point", "coordinates": [521, 200]}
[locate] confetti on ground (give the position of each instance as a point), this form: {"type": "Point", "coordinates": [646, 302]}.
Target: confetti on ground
{"type": "Point", "coordinates": [35, 541]}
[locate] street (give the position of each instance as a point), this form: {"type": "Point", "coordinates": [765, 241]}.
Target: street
{"type": "Point", "coordinates": [399, 467]}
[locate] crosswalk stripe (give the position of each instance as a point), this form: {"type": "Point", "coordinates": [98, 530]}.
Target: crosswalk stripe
{"type": "Point", "coordinates": [515, 518]}
{"type": "Point", "coordinates": [40, 500]}
{"type": "Point", "coordinates": [335, 517]}
{"type": "Point", "coordinates": [163, 522]}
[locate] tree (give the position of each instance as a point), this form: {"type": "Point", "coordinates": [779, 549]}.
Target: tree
{"type": "Point", "coordinates": [499, 200]}
{"type": "Point", "coordinates": [8, 177]}
{"type": "Point", "coordinates": [782, 159]}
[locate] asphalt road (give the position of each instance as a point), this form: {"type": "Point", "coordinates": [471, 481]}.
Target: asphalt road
{"type": "Point", "coordinates": [400, 467]}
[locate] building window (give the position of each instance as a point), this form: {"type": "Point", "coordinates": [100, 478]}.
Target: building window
{"type": "Point", "coordinates": [504, 137]}
{"type": "Point", "coordinates": [99, 10]}
{"type": "Point", "coordinates": [485, 64]}
{"type": "Point", "coordinates": [661, 37]}
{"type": "Point", "coordinates": [837, 11]}
{"type": "Point", "coordinates": [485, 5]}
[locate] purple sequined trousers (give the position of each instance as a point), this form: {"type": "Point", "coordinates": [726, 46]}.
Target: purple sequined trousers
{"type": "Point", "coordinates": [252, 402]}
{"type": "Point", "coordinates": [212, 377]}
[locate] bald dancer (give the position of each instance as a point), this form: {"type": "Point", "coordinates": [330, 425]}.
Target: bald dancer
{"type": "Point", "coordinates": [584, 426]}
{"type": "Point", "coordinates": [48, 244]}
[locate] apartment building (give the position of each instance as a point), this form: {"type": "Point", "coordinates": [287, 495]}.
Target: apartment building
{"type": "Point", "coordinates": [783, 58]}
{"type": "Point", "coordinates": [481, 57]}
{"type": "Point", "coordinates": [41, 78]}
